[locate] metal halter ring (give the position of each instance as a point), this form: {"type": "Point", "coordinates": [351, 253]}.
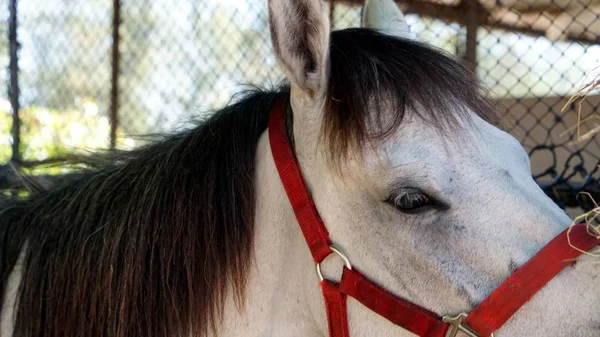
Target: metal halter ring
{"type": "Point", "coordinates": [456, 324]}
{"type": "Point", "coordinates": [340, 254]}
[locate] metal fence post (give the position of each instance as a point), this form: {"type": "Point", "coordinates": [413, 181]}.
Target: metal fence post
{"type": "Point", "coordinates": [13, 89]}
{"type": "Point", "coordinates": [331, 12]}
{"type": "Point", "coordinates": [114, 90]}
{"type": "Point", "coordinates": [473, 16]}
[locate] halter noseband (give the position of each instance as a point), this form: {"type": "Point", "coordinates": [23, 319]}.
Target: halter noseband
{"type": "Point", "coordinates": [487, 317]}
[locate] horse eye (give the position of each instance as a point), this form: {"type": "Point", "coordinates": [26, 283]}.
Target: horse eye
{"type": "Point", "coordinates": [410, 200]}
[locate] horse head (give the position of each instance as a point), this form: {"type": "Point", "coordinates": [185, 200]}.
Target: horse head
{"type": "Point", "coordinates": [415, 182]}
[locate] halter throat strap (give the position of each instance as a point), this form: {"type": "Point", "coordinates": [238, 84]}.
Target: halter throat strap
{"type": "Point", "coordinates": [489, 316]}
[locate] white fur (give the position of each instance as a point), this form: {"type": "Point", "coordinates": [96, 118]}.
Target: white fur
{"type": "Point", "coordinates": [447, 261]}
{"type": "Point", "coordinates": [386, 17]}
{"type": "Point", "coordinates": [289, 34]}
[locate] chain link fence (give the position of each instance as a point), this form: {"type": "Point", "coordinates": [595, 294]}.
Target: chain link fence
{"type": "Point", "coordinates": [97, 74]}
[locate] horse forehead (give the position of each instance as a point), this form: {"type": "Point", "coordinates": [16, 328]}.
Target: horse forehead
{"type": "Point", "coordinates": [476, 145]}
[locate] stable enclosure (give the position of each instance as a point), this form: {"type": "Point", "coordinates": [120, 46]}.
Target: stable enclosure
{"type": "Point", "coordinates": [98, 74]}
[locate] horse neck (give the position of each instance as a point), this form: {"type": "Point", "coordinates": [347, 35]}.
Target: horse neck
{"type": "Point", "coordinates": [282, 297]}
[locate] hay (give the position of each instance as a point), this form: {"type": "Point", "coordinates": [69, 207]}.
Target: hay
{"type": "Point", "coordinates": [578, 98]}
{"type": "Point", "coordinates": [591, 218]}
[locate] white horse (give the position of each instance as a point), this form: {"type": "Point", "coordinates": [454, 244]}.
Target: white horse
{"type": "Point", "coordinates": [423, 195]}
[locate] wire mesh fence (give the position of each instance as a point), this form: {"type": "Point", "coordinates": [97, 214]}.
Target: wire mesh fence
{"type": "Point", "coordinates": [95, 75]}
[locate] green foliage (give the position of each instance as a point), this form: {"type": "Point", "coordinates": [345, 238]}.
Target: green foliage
{"type": "Point", "coordinates": [48, 133]}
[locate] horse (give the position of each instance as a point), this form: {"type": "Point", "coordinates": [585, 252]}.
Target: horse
{"type": "Point", "coordinates": [402, 156]}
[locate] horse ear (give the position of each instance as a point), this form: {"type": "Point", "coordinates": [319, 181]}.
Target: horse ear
{"type": "Point", "coordinates": [300, 35]}
{"type": "Point", "coordinates": [386, 17]}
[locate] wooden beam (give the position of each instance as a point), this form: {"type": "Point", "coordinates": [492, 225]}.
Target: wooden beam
{"type": "Point", "coordinates": [454, 14]}
{"type": "Point", "coordinates": [458, 14]}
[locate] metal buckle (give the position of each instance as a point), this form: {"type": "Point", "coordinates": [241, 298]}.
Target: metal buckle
{"type": "Point", "coordinates": [456, 325]}
{"type": "Point", "coordinates": [340, 254]}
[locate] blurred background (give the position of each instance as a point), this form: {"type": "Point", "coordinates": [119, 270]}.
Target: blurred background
{"type": "Point", "coordinates": [86, 75]}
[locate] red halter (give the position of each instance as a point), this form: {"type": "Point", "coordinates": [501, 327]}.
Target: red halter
{"type": "Point", "coordinates": [488, 317]}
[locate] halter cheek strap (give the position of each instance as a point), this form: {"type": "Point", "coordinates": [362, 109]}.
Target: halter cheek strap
{"type": "Point", "coordinates": [489, 315]}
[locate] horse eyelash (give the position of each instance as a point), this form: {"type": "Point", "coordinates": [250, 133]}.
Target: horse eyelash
{"type": "Point", "coordinates": [396, 196]}
{"type": "Point", "coordinates": [431, 201]}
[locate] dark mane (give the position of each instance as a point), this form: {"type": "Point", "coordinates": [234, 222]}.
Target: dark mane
{"type": "Point", "coordinates": [149, 242]}
{"type": "Point", "coordinates": [372, 73]}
